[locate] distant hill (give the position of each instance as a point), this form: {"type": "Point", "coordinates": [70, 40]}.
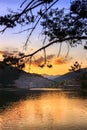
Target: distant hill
{"type": "Point", "coordinates": [11, 76]}
{"type": "Point", "coordinates": [73, 80]}
{"type": "Point", "coordinates": [72, 75]}
{"type": "Point", "coordinates": [52, 77]}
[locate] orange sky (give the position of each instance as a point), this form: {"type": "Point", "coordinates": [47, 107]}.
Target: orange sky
{"type": "Point", "coordinates": [60, 65]}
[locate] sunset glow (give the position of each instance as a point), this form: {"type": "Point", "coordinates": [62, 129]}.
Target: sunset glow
{"type": "Point", "coordinates": [56, 69]}
{"type": "Point", "coordinates": [60, 65]}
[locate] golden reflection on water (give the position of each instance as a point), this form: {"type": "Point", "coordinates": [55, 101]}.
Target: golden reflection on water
{"type": "Point", "coordinates": [50, 111]}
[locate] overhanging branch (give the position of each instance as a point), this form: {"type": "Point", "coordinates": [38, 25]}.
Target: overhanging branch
{"type": "Point", "coordinates": [53, 42]}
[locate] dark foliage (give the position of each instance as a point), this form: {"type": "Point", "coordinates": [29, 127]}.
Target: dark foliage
{"type": "Point", "coordinates": [14, 61]}
{"type": "Point", "coordinates": [70, 26]}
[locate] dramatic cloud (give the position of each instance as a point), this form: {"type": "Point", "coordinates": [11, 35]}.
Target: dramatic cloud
{"type": "Point", "coordinates": [1, 52]}
{"type": "Point", "coordinates": [50, 59]}
{"type": "Point", "coordinates": [12, 52]}
{"type": "Point", "coordinates": [36, 62]}
{"type": "Point", "coordinates": [61, 60]}
{"type": "Point", "coordinates": [5, 53]}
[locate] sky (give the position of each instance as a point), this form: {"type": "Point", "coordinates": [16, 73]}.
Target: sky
{"type": "Point", "coordinates": [10, 41]}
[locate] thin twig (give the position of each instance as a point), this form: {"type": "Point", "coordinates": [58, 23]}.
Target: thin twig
{"type": "Point", "coordinates": [38, 22]}
{"type": "Point", "coordinates": [60, 49]}
{"type": "Point", "coordinates": [2, 31]}
{"type": "Point", "coordinates": [30, 62]}
{"type": "Point", "coordinates": [23, 31]}
{"type": "Point", "coordinates": [68, 49]}
{"type": "Point", "coordinates": [23, 3]}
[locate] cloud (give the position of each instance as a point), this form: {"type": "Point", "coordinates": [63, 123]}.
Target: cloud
{"type": "Point", "coordinates": [61, 60]}
{"type": "Point", "coordinates": [41, 60]}
{"type": "Point", "coordinates": [36, 62]}
{"type": "Point", "coordinates": [50, 59]}
{"type": "Point", "coordinates": [1, 52]}
{"type": "Point", "coordinates": [5, 53]}
{"type": "Point", "coordinates": [12, 52]}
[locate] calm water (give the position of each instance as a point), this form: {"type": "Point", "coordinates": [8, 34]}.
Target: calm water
{"type": "Point", "coordinates": [42, 110]}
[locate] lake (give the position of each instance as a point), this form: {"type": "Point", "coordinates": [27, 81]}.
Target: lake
{"type": "Point", "coordinates": [43, 109]}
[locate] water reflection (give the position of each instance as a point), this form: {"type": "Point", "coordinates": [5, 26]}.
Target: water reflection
{"type": "Point", "coordinates": [45, 111]}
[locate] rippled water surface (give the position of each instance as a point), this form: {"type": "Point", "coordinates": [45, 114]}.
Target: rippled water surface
{"type": "Point", "coordinates": [42, 110]}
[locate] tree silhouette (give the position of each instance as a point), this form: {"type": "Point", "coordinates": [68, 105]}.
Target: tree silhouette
{"type": "Point", "coordinates": [58, 25]}
{"type": "Point", "coordinates": [14, 61]}
{"type": "Point", "coordinates": [75, 67]}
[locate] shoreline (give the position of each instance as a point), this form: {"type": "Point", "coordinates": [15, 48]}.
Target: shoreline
{"type": "Point", "coordinates": [61, 89]}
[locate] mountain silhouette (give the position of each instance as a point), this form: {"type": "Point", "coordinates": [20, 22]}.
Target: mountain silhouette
{"type": "Point", "coordinates": [11, 76]}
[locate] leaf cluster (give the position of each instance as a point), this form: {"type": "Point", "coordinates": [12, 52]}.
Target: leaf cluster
{"type": "Point", "coordinates": [79, 7]}
{"type": "Point", "coordinates": [59, 25]}
{"type": "Point", "coordinates": [14, 61]}
{"type": "Point", "coordinates": [75, 67]}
